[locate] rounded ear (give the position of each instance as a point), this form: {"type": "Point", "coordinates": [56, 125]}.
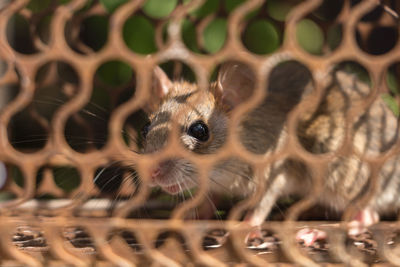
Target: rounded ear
{"type": "Point", "coordinates": [235, 83]}
{"type": "Point", "coordinates": [161, 86]}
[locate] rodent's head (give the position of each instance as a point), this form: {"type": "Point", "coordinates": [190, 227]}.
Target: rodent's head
{"type": "Point", "coordinates": [202, 116]}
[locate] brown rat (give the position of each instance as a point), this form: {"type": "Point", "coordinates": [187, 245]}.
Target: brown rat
{"type": "Point", "coordinates": [204, 115]}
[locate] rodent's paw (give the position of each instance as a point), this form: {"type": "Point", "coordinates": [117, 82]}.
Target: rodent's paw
{"type": "Point", "coordinates": [308, 236]}
{"type": "Point", "coordinates": [260, 239]}
{"type": "Point", "coordinates": [362, 220]}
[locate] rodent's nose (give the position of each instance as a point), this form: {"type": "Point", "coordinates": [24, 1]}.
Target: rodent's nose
{"type": "Point", "coordinates": [156, 172]}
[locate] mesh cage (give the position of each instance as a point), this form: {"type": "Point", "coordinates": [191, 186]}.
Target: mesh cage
{"type": "Point", "coordinates": [76, 179]}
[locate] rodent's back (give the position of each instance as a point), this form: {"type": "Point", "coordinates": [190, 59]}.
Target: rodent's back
{"type": "Point", "coordinates": [375, 130]}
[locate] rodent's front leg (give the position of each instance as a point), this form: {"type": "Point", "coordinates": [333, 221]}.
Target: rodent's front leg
{"type": "Point", "coordinates": [260, 213]}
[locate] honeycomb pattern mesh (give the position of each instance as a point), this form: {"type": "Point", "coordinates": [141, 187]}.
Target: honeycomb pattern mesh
{"type": "Point", "coordinates": [52, 227]}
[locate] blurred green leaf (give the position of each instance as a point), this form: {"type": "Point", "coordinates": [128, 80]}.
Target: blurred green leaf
{"type": "Point", "coordinates": [19, 36]}
{"type": "Point", "coordinates": [189, 193]}
{"type": "Point", "coordinates": [4, 196]}
{"type": "Point", "coordinates": [359, 71]}
{"type": "Point", "coordinates": [126, 137]}
{"type": "Point", "coordinates": [328, 10]}
{"type": "Point", "coordinates": [214, 35]}
{"type": "Point", "coordinates": [159, 8]}
{"type": "Point", "coordinates": [100, 99]}
{"type": "Point", "coordinates": [391, 103]}
{"type": "Point", "coordinates": [209, 7]}
{"type": "Point", "coordinates": [115, 73]}
{"type": "Point", "coordinates": [139, 35]}
{"type": "Point", "coordinates": [95, 31]}
{"type": "Point", "coordinates": [186, 72]}
{"type": "Point", "coordinates": [392, 82]}
{"type": "Point", "coordinates": [46, 197]}
{"type": "Point", "coordinates": [334, 36]}
{"type": "Point", "coordinates": [261, 37]}
{"type": "Point", "coordinates": [66, 178]}
{"type": "Point", "coordinates": [38, 5]}
{"type": "Point", "coordinates": [85, 7]}
{"type": "Point", "coordinates": [278, 9]}
{"type": "Point", "coordinates": [43, 28]}
{"type": "Point", "coordinates": [310, 36]}
{"type": "Point", "coordinates": [189, 35]}
{"type": "Point", "coordinates": [220, 213]}
{"type": "Point", "coordinates": [230, 5]}
{"type": "Point", "coordinates": [112, 5]}
{"type": "Point", "coordinates": [17, 176]}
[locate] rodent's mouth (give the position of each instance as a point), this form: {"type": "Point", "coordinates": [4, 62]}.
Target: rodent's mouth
{"type": "Point", "coordinates": [172, 189]}
{"type": "Point", "coordinates": [169, 176]}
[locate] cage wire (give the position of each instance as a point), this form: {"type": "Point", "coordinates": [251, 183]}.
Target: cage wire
{"type": "Point", "coordinates": [77, 78]}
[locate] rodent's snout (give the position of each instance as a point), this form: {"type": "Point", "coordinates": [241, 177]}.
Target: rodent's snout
{"type": "Point", "coordinates": [173, 175]}
{"type": "Point", "coordinates": [155, 172]}
{"type": "Point", "coordinates": [160, 173]}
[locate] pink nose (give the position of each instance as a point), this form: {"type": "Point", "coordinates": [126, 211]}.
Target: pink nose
{"type": "Point", "coordinates": [155, 173]}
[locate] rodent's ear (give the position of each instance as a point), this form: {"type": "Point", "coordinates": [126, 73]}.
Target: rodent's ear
{"type": "Point", "coordinates": [161, 83]}
{"type": "Point", "coordinates": [160, 88]}
{"type": "Point", "coordinates": [235, 83]}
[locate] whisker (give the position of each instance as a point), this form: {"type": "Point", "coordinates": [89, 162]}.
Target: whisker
{"type": "Point", "coordinates": [60, 102]}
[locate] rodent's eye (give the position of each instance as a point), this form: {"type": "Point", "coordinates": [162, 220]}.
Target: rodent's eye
{"type": "Point", "coordinates": [145, 129]}
{"type": "Point", "coordinates": [199, 130]}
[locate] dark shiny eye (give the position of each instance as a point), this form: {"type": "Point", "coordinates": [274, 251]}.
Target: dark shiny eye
{"type": "Point", "coordinates": [199, 130]}
{"type": "Point", "coordinates": [145, 129]}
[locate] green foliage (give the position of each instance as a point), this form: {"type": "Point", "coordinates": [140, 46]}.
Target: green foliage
{"type": "Point", "coordinates": [159, 8]}
{"type": "Point", "coordinates": [392, 81]}
{"type": "Point", "coordinates": [189, 193]}
{"type": "Point", "coordinates": [95, 31]}
{"type": "Point", "coordinates": [38, 5]}
{"type": "Point", "coordinates": [5, 196]}
{"type": "Point", "coordinates": [334, 36]}
{"type": "Point", "coordinates": [189, 35]}
{"type": "Point", "coordinates": [278, 9]}
{"type": "Point", "coordinates": [43, 28]}
{"type": "Point", "coordinates": [126, 138]}
{"type": "Point", "coordinates": [112, 5]}
{"type": "Point", "coordinates": [328, 10]}
{"type": "Point", "coordinates": [85, 7]}
{"type": "Point", "coordinates": [393, 85]}
{"type": "Point", "coordinates": [214, 35]}
{"type": "Point", "coordinates": [209, 7]}
{"type": "Point", "coordinates": [19, 35]}
{"type": "Point", "coordinates": [139, 35]}
{"type": "Point", "coordinates": [261, 37]}
{"type": "Point", "coordinates": [391, 102]}
{"type": "Point", "coordinates": [67, 178]}
{"type": "Point", "coordinates": [310, 36]}
{"type": "Point", "coordinates": [115, 73]}
{"type": "Point", "coordinates": [220, 213]}
{"type": "Point", "coordinates": [359, 71]}
{"type": "Point", "coordinates": [230, 5]}
{"type": "Point", "coordinates": [100, 98]}
{"type": "Point", "coordinates": [17, 176]}
{"type": "Point", "coordinates": [186, 72]}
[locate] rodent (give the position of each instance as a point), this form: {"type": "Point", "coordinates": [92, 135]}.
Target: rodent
{"type": "Point", "coordinates": [203, 116]}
